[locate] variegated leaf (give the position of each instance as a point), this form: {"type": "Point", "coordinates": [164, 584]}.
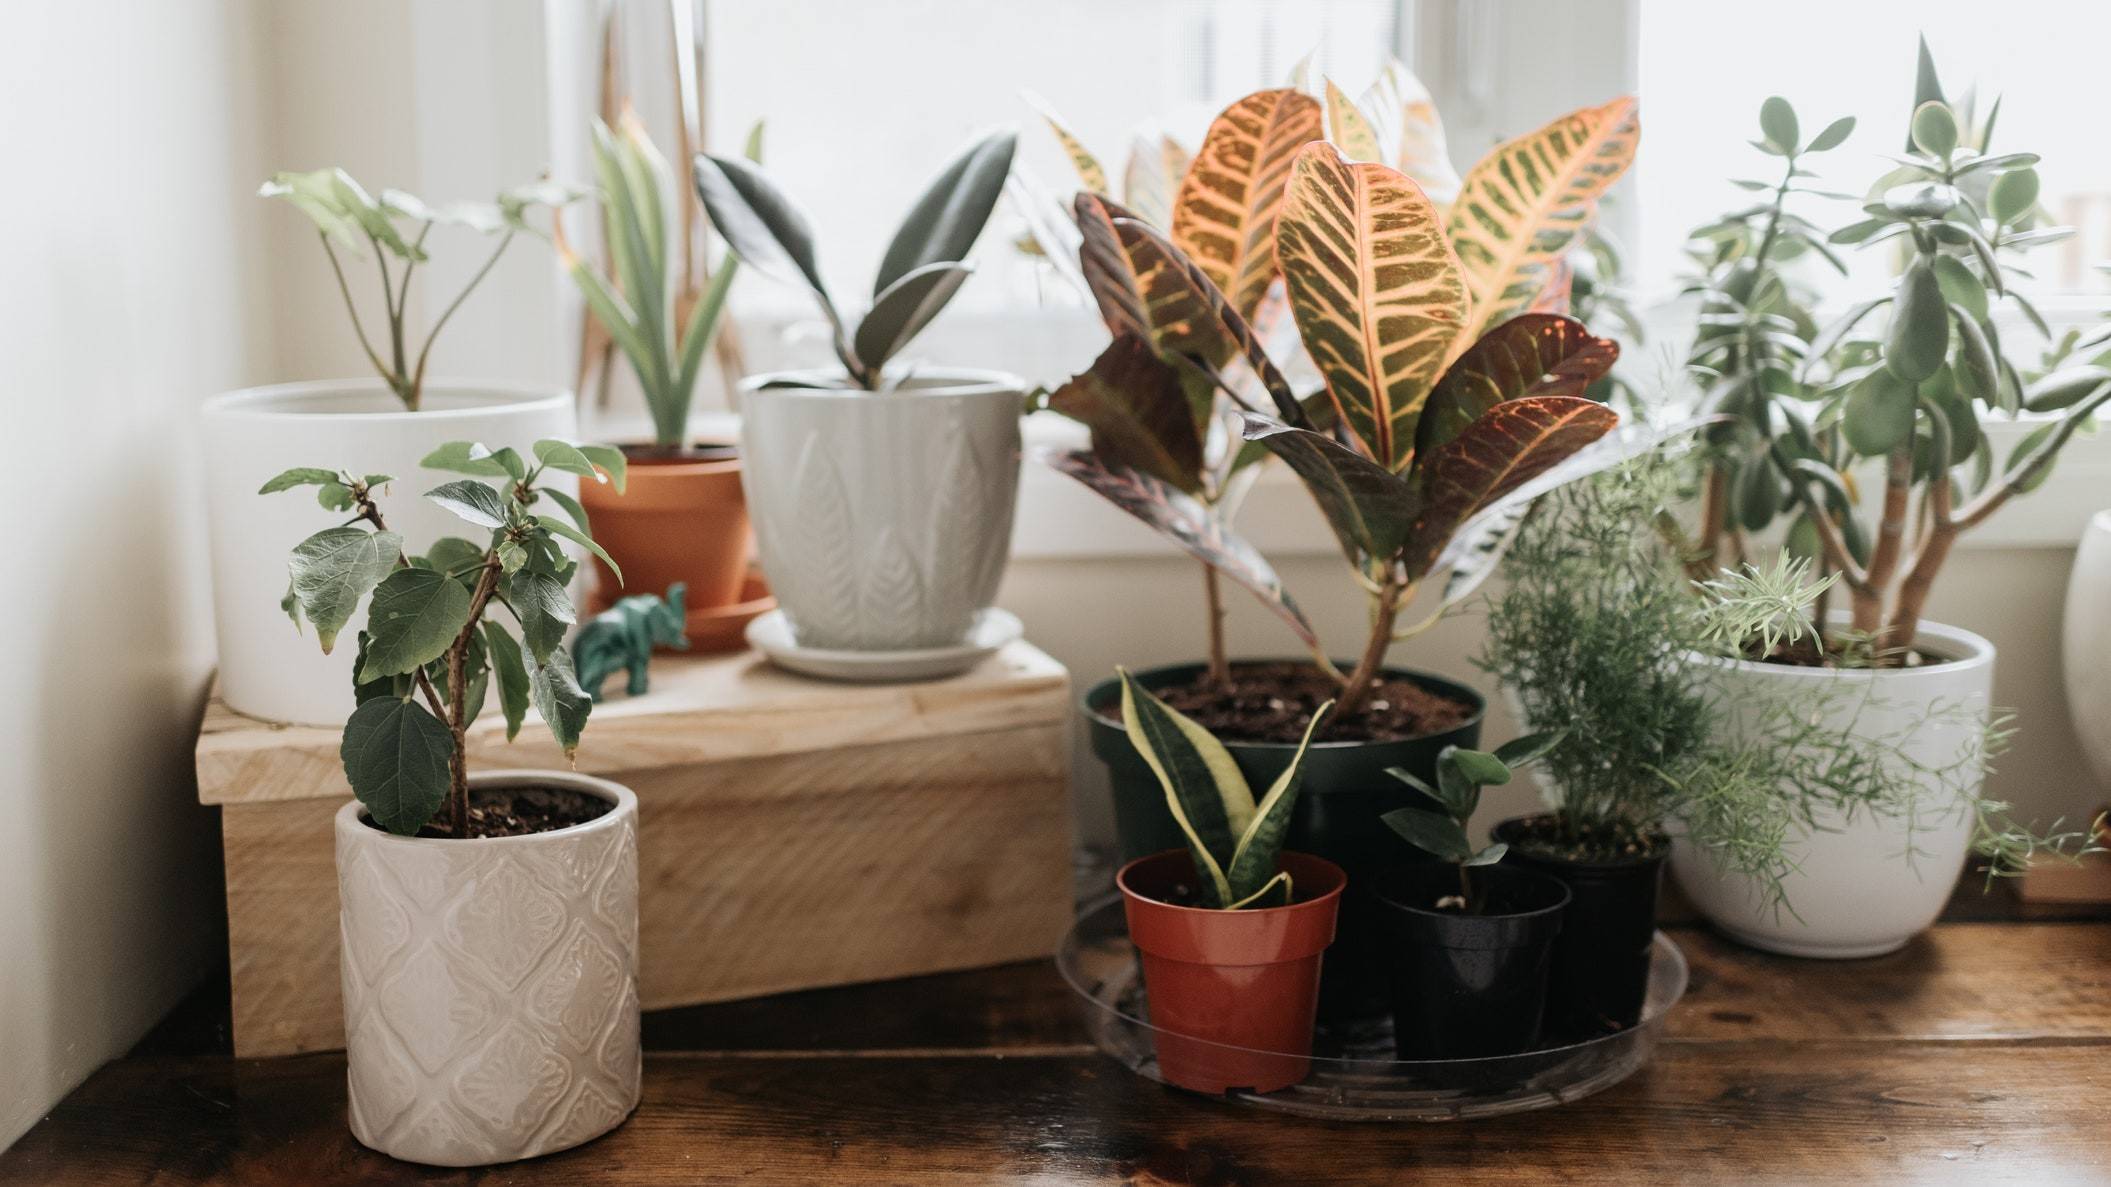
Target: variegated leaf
{"type": "Point", "coordinates": [1147, 182]}
{"type": "Point", "coordinates": [1509, 445]}
{"type": "Point", "coordinates": [1090, 173]}
{"type": "Point", "coordinates": [1376, 292]}
{"type": "Point", "coordinates": [1192, 316]}
{"type": "Point", "coordinates": [1109, 273]}
{"type": "Point", "coordinates": [1371, 509]}
{"type": "Point", "coordinates": [1560, 287]}
{"type": "Point", "coordinates": [1525, 203]}
{"type": "Point", "coordinates": [1538, 354]}
{"type": "Point", "coordinates": [1139, 415]}
{"type": "Point", "coordinates": [1350, 129]}
{"type": "Point", "coordinates": [1186, 522]}
{"type": "Point", "coordinates": [1204, 790]}
{"type": "Point", "coordinates": [1224, 214]}
{"type": "Point", "coordinates": [1406, 116]}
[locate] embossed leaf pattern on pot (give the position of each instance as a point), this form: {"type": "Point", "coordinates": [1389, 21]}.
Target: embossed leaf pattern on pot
{"type": "Point", "coordinates": [506, 924]}
{"type": "Point", "coordinates": [891, 604]}
{"type": "Point", "coordinates": [514, 1082]}
{"type": "Point", "coordinates": [821, 544]}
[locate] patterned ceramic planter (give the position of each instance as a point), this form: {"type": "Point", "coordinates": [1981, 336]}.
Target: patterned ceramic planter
{"type": "Point", "coordinates": [491, 986]}
{"type": "Point", "coordinates": [883, 519]}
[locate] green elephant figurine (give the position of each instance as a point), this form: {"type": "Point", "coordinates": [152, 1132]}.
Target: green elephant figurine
{"type": "Point", "coordinates": [624, 635]}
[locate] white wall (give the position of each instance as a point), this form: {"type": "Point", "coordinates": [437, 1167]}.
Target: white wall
{"type": "Point", "coordinates": [131, 134]}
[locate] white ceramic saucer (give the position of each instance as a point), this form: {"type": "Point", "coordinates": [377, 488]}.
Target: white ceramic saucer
{"type": "Point", "coordinates": [771, 634]}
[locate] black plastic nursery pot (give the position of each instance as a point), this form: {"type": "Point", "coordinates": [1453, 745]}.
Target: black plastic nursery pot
{"type": "Point", "coordinates": [1468, 986]}
{"type": "Point", "coordinates": [1600, 973]}
{"type": "Point", "coordinates": [1345, 791]}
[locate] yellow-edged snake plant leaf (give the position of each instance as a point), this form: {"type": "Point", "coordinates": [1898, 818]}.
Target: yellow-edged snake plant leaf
{"type": "Point", "coordinates": [1252, 869]}
{"type": "Point", "coordinates": [1524, 204]}
{"type": "Point", "coordinates": [1350, 129]}
{"type": "Point", "coordinates": [1509, 445]}
{"type": "Point", "coordinates": [1371, 509]}
{"type": "Point", "coordinates": [1204, 790]}
{"type": "Point", "coordinates": [1224, 213]}
{"type": "Point", "coordinates": [1138, 413]}
{"type": "Point", "coordinates": [1537, 354]}
{"type": "Point", "coordinates": [1189, 524]}
{"type": "Point", "coordinates": [1376, 291]}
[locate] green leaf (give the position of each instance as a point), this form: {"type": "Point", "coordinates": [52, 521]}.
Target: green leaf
{"type": "Point", "coordinates": [1528, 748]}
{"type": "Point", "coordinates": [1835, 133]}
{"type": "Point", "coordinates": [1919, 336]}
{"type": "Point", "coordinates": [467, 457]}
{"type": "Point", "coordinates": [1253, 861]}
{"type": "Point", "coordinates": [2013, 196]}
{"type": "Point", "coordinates": [571, 507]}
{"type": "Point", "coordinates": [543, 609]}
{"type": "Point", "coordinates": [333, 569]}
{"type": "Point", "coordinates": [1778, 120]}
{"type": "Point", "coordinates": [1935, 129]}
{"type": "Point", "coordinates": [1437, 835]}
{"type": "Point", "coordinates": [761, 224]}
{"type": "Point", "coordinates": [455, 556]}
{"type": "Point", "coordinates": [1878, 415]}
{"type": "Point", "coordinates": [1138, 413]}
{"type": "Point", "coordinates": [313, 194]}
{"type": "Point", "coordinates": [334, 496]}
{"type": "Point", "coordinates": [2065, 388]}
{"type": "Point", "coordinates": [903, 309]}
{"type": "Point", "coordinates": [1204, 790]}
{"type": "Point", "coordinates": [554, 687]}
{"type": "Point", "coordinates": [298, 476]}
{"type": "Point", "coordinates": [1489, 856]}
{"type": "Point", "coordinates": [1371, 509]}
{"type": "Point", "coordinates": [611, 460]}
{"type": "Point", "coordinates": [1417, 783]}
{"type": "Point", "coordinates": [1960, 286]}
{"type": "Point", "coordinates": [1483, 768]}
{"type": "Point", "coordinates": [578, 537]}
{"type": "Point", "coordinates": [565, 456]}
{"type": "Point", "coordinates": [396, 756]}
{"type": "Point", "coordinates": [472, 501]}
{"type": "Point", "coordinates": [1978, 372]}
{"type": "Point", "coordinates": [512, 670]}
{"type": "Point", "coordinates": [949, 216]}
{"type": "Point", "coordinates": [415, 614]}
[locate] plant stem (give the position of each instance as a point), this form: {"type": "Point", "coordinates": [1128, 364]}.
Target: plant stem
{"type": "Point", "coordinates": [397, 376]}
{"type": "Point", "coordinates": [457, 699]}
{"type": "Point", "coordinates": [417, 381]}
{"type": "Point", "coordinates": [352, 308]}
{"type": "Point", "coordinates": [1358, 686]}
{"type": "Point", "coordinates": [1219, 660]}
{"type": "Point", "coordinates": [372, 514]}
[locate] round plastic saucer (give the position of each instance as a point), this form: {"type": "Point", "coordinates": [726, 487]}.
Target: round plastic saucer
{"type": "Point", "coordinates": [1362, 1081]}
{"type": "Point", "coordinates": [771, 634]}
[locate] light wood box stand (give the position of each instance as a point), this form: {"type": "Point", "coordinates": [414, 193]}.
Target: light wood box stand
{"type": "Point", "coordinates": [793, 833]}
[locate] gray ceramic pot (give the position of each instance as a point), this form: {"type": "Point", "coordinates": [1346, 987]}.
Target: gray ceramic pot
{"type": "Point", "coordinates": [883, 519]}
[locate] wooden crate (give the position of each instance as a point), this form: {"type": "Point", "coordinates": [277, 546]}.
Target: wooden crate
{"type": "Point", "coordinates": [793, 833]}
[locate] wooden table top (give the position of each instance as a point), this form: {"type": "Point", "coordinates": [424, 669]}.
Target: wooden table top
{"type": "Point", "coordinates": [1980, 1053]}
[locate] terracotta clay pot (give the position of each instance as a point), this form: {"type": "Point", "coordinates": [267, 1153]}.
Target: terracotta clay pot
{"type": "Point", "coordinates": [679, 518]}
{"type": "Point", "coordinates": [1232, 993]}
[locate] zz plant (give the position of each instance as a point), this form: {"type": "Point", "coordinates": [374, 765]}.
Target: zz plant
{"type": "Point", "coordinates": [1461, 774]}
{"type": "Point", "coordinates": [925, 263]}
{"type": "Point", "coordinates": [1234, 839]}
{"type": "Point", "coordinates": [395, 227]}
{"type": "Point", "coordinates": [431, 646]}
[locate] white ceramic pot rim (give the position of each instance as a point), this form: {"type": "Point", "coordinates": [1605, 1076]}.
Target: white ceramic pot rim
{"type": "Point", "coordinates": [2101, 521]}
{"type": "Point", "coordinates": [1961, 648]}
{"type": "Point", "coordinates": [922, 381]}
{"type": "Point", "coordinates": [282, 400]}
{"type": "Point", "coordinates": [624, 799]}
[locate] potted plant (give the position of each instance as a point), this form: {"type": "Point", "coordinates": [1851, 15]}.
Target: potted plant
{"type": "Point", "coordinates": [882, 494]}
{"type": "Point", "coordinates": [1472, 940]}
{"type": "Point", "coordinates": [1452, 402]}
{"type": "Point", "coordinates": [490, 920]}
{"type": "Point", "coordinates": [1808, 406]}
{"type": "Point", "coordinates": [1229, 928]}
{"type": "Point", "coordinates": [389, 422]}
{"type": "Point", "coordinates": [681, 519]}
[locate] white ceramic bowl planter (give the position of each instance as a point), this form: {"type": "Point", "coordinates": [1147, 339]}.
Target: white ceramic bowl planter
{"type": "Point", "coordinates": [883, 519]}
{"type": "Point", "coordinates": [267, 668]}
{"type": "Point", "coordinates": [2085, 646]}
{"type": "Point", "coordinates": [1863, 885]}
{"type": "Point", "coordinates": [491, 985]}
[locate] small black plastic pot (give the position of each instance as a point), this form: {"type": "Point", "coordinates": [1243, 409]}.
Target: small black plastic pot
{"type": "Point", "coordinates": [1466, 986]}
{"type": "Point", "coordinates": [1345, 791]}
{"type": "Point", "coordinates": [1601, 959]}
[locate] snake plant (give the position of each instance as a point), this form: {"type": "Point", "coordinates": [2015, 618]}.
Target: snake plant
{"type": "Point", "coordinates": [1233, 839]}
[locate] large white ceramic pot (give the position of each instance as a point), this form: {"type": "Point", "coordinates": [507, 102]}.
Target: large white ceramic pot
{"type": "Point", "coordinates": [883, 519]}
{"type": "Point", "coordinates": [1864, 883]}
{"type": "Point", "coordinates": [268, 669]}
{"type": "Point", "coordinates": [491, 986]}
{"type": "Point", "coordinates": [2085, 646]}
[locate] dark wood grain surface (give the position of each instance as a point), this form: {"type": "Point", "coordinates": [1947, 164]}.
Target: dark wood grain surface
{"type": "Point", "coordinates": [1981, 1053]}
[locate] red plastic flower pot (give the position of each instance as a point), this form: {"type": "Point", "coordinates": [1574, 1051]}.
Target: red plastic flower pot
{"type": "Point", "coordinates": [1232, 993]}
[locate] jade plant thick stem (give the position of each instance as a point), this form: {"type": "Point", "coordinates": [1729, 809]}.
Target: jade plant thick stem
{"type": "Point", "coordinates": [431, 644]}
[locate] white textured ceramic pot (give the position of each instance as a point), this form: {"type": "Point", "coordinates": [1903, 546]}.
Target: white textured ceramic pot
{"type": "Point", "coordinates": [883, 519]}
{"type": "Point", "coordinates": [1863, 883]}
{"type": "Point", "coordinates": [2085, 645]}
{"type": "Point", "coordinates": [491, 986]}
{"type": "Point", "coordinates": [268, 669]}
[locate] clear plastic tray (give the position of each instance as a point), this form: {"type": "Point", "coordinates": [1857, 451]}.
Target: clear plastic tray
{"type": "Point", "coordinates": [1359, 1080]}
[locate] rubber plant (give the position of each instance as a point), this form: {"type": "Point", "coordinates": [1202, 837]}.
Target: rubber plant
{"type": "Point", "coordinates": [1461, 774]}
{"type": "Point", "coordinates": [395, 226]}
{"type": "Point", "coordinates": [1450, 397]}
{"type": "Point", "coordinates": [431, 645]}
{"type": "Point", "coordinates": [1233, 838]}
{"type": "Point", "coordinates": [924, 266]}
{"type": "Point", "coordinates": [1911, 396]}
{"type": "Point", "coordinates": [664, 345]}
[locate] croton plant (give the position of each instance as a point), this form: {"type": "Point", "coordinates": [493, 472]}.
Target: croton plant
{"type": "Point", "coordinates": [1452, 385]}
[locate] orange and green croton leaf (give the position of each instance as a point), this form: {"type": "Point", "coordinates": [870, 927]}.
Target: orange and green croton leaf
{"type": "Point", "coordinates": [1224, 213]}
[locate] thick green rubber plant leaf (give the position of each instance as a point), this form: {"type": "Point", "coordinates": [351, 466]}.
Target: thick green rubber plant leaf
{"type": "Point", "coordinates": [1376, 292]}
{"type": "Point", "coordinates": [1536, 354]}
{"type": "Point", "coordinates": [950, 214]}
{"type": "Point", "coordinates": [1509, 445]}
{"type": "Point", "coordinates": [1224, 213]}
{"type": "Point", "coordinates": [901, 312]}
{"type": "Point", "coordinates": [395, 755]}
{"type": "Point", "coordinates": [761, 225]}
{"type": "Point", "coordinates": [1371, 509]}
{"type": "Point", "coordinates": [1204, 790]}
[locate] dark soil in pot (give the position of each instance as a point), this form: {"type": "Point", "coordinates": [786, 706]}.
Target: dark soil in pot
{"type": "Point", "coordinates": [1272, 702]}
{"type": "Point", "coordinates": [1600, 975]}
{"type": "Point", "coordinates": [516, 812]}
{"type": "Point", "coordinates": [1344, 793]}
{"type": "Point", "coordinates": [1463, 983]}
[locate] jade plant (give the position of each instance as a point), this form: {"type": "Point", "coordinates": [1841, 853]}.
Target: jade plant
{"type": "Point", "coordinates": [924, 266]}
{"type": "Point", "coordinates": [395, 226]}
{"type": "Point", "coordinates": [638, 306]}
{"type": "Point", "coordinates": [432, 645]}
{"type": "Point", "coordinates": [1461, 774]}
{"type": "Point", "coordinates": [1451, 388]}
{"type": "Point", "coordinates": [1233, 839]}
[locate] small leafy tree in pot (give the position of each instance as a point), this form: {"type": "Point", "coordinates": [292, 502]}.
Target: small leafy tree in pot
{"type": "Point", "coordinates": [1461, 774]}
{"type": "Point", "coordinates": [431, 646]}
